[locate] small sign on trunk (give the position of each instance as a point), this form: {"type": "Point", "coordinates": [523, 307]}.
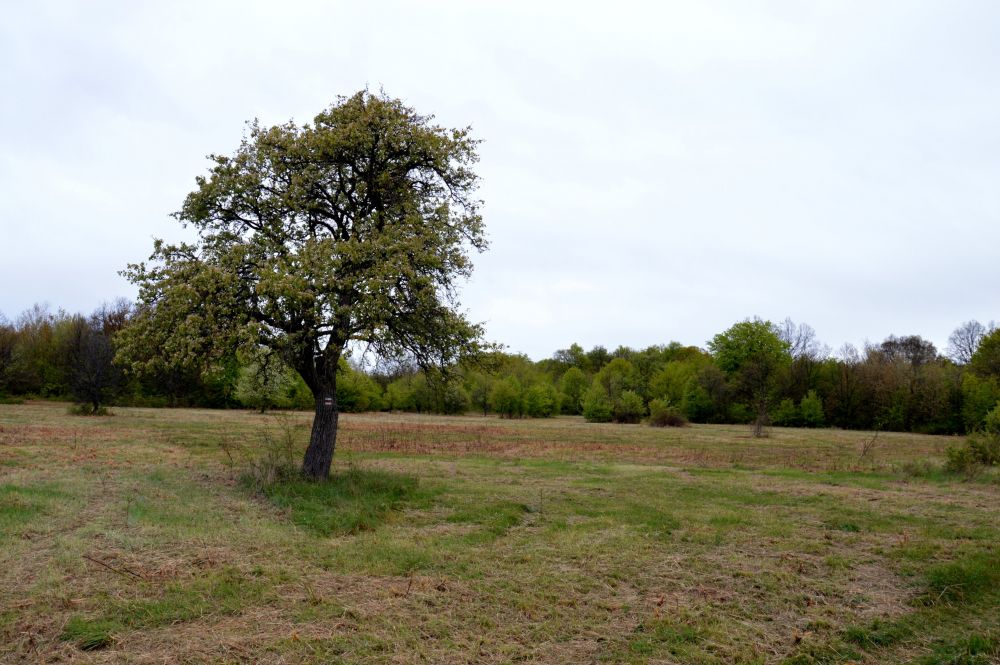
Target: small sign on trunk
{"type": "Point", "coordinates": [327, 401]}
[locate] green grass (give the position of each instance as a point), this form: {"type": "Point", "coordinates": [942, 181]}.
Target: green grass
{"type": "Point", "coordinates": [878, 633]}
{"type": "Point", "coordinates": [223, 592]}
{"type": "Point", "coordinates": [349, 502]}
{"type": "Point", "coordinates": [90, 634]}
{"type": "Point", "coordinates": [974, 649]}
{"type": "Point", "coordinates": [477, 540]}
{"type": "Point", "coordinates": [965, 580]}
{"type": "Point", "coordinates": [495, 517]}
{"type": "Point", "coordinates": [22, 505]}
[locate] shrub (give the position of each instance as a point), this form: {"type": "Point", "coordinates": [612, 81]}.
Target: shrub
{"type": "Point", "coordinates": [87, 410]}
{"type": "Point", "coordinates": [985, 448]}
{"type": "Point", "coordinates": [628, 408]}
{"type": "Point", "coordinates": [505, 398]}
{"type": "Point", "coordinates": [596, 405]}
{"type": "Point", "coordinates": [991, 423]}
{"type": "Point", "coordinates": [356, 391]}
{"type": "Point", "coordinates": [787, 414]}
{"type": "Point", "coordinates": [741, 413]}
{"type": "Point", "coordinates": [664, 414]}
{"type": "Point", "coordinates": [573, 386]}
{"type": "Point", "coordinates": [960, 459]}
{"type": "Point", "coordinates": [541, 401]}
{"type": "Point", "coordinates": [697, 404]}
{"type": "Point", "coordinates": [981, 448]}
{"type": "Point", "coordinates": [979, 396]}
{"type": "Point", "coordinates": [260, 381]}
{"type": "Point", "coordinates": [454, 399]}
{"type": "Point", "coordinates": [811, 410]}
{"type": "Point", "coordinates": [399, 395]}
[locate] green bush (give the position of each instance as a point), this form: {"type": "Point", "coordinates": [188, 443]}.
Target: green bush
{"type": "Point", "coordinates": [981, 449]}
{"type": "Point", "coordinates": [697, 404]}
{"type": "Point", "coordinates": [979, 396]}
{"type": "Point", "coordinates": [409, 393]}
{"type": "Point", "coordinates": [87, 410]}
{"type": "Point", "coordinates": [741, 413]}
{"type": "Point", "coordinates": [573, 386]}
{"type": "Point", "coordinates": [596, 405]}
{"type": "Point", "coordinates": [541, 401]}
{"type": "Point", "coordinates": [505, 398]}
{"type": "Point", "coordinates": [454, 399]}
{"type": "Point", "coordinates": [991, 423]}
{"type": "Point", "coordinates": [664, 414]}
{"type": "Point", "coordinates": [811, 410]}
{"type": "Point", "coordinates": [985, 448]}
{"type": "Point", "coordinates": [787, 414]}
{"type": "Point", "coordinates": [356, 391]}
{"type": "Point", "coordinates": [399, 395]}
{"type": "Point", "coordinates": [628, 408]}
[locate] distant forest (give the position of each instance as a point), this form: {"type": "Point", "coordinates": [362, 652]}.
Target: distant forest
{"type": "Point", "coordinates": [902, 383]}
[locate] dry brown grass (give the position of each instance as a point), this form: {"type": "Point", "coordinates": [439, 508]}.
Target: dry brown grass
{"type": "Point", "coordinates": [625, 544]}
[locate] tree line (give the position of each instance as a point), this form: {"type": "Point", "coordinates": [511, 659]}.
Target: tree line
{"type": "Point", "coordinates": [755, 372]}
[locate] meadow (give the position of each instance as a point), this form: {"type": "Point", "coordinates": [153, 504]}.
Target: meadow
{"type": "Point", "coordinates": [163, 536]}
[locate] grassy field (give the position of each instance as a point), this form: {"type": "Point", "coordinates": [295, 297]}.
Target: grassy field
{"type": "Point", "coordinates": [168, 536]}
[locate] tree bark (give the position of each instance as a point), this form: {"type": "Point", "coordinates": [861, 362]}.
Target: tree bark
{"type": "Point", "coordinates": [323, 440]}
{"type": "Point", "coordinates": [761, 421]}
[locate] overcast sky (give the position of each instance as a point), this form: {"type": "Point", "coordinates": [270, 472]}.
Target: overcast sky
{"type": "Point", "coordinates": [652, 171]}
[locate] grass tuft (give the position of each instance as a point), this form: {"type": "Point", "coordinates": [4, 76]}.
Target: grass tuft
{"type": "Point", "coordinates": [225, 592]}
{"type": "Point", "coordinates": [20, 505]}
{"type": "Point", "coordinates": [349, 502]}
{"type": "Point", "coordinates": [877, 634]}
{"type": "Point", "coordinates": [965, 580]}
{"type": "Point", "coordinates": [975, 649]}
{"type": "Point", "coordinates": [89, 634]}
{"type": "Point", "coordinates": [495, 517]}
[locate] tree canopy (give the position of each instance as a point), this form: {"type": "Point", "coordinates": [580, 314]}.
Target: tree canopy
{"type": "Point", "coordinates": [986, 359]}
{"type": "Point", "coordinates": [753, 353]}
{"type": "Point", "coordinates": [348, 233]}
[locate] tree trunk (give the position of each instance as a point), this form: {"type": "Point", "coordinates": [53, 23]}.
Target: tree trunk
{"type": "Point", "coordinates": [762, 420]}
{"type": "Point", "coordinates": [323, 440]}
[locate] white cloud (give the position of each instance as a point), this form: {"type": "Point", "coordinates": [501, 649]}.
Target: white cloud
{"type": "Point", "coordinates": [652, 171]}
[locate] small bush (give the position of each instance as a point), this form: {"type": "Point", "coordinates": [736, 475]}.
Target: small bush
{"type": "Point", "coordinates": [455, 399]}
{"type": "Point", "coordinates": [787, 414]}
{"type": "Point", "coordinates": [274, 459]}
{"type": "Point", "coordinates": [596, 406]}
{"type": "Point", "coordinates": [922, 469]}
{"type": "Point", "coordinates": [980, 450]}
{"type": "Point", "coordinates": [664, 414]}
{"type": "Point", "coordinates": [629, 408]}
{"type": "Point", "coordinates": [541, 401]}
{"type": "Point", "coordinates": [505, 398]}
{"type": "Point", "coordinates": [811, 410]}
{"type": "Point", "coordinates": [991, 423]}
{"type": "Point", "coordinates": [88, 410]}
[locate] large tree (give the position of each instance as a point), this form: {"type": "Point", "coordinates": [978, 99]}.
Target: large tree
{"type": "Point", "coordinates": [318, 240]}
{"type": "Point", "coordinates": [965, 340]}
{"type": "Point", "coordinates": [752, 354]}
{"type": "Point", "coordinates": [986, 360]}
{"type": "Point", "coordinates": [92, 376]}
